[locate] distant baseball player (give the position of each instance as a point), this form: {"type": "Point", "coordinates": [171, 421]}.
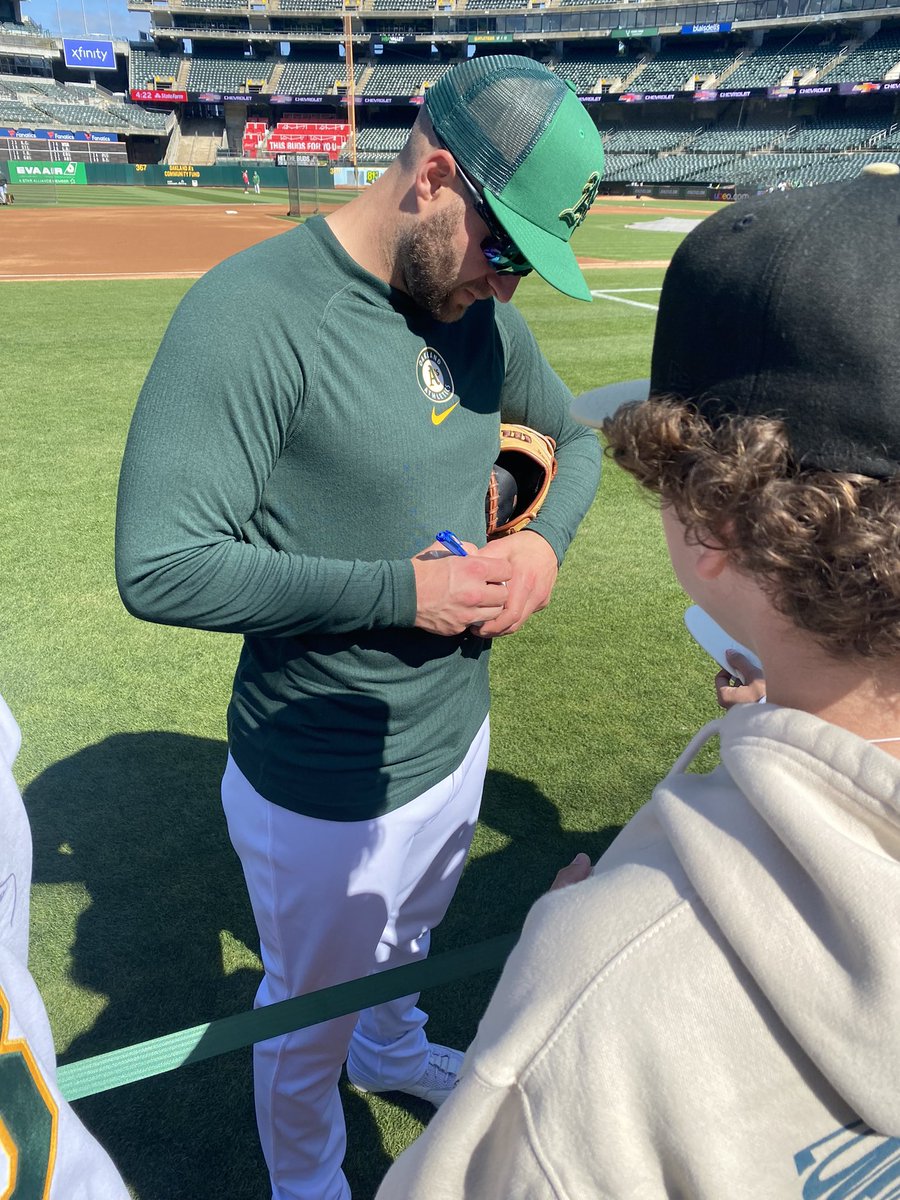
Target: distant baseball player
{"type": "Point", "coordinates": [45, 1151]}
{"type": "Point", "coordinates": [287, 469]}
{"type": "Point", "coordinates": [712, 1013]}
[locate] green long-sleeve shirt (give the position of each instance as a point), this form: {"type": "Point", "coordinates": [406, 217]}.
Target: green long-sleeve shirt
{"type": "Point", "coordinates": [305, 430]}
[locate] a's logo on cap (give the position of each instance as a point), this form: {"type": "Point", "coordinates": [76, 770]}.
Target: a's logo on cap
{"type": "Point", "coordinates": [575, 215]}
{"type": "Point", "coordinates": [434, 378]}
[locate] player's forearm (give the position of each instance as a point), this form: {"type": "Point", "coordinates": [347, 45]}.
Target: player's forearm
{"type": "Point", "coordinates": [234, 587]}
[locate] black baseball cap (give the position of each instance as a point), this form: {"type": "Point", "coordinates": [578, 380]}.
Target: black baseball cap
{"type": "Point", "coordinates": [787, 305]}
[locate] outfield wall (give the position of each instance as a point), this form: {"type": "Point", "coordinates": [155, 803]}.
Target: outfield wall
{"type": "Point", "coordinates": [670, 191]}
{"type": "Point", "coordinates": [161, 175]}
{"type": "Point", "coordinates": [175, 175]}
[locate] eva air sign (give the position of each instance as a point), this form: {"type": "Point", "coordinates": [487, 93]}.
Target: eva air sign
{"type": "Point", "coordinates": [42, 172]}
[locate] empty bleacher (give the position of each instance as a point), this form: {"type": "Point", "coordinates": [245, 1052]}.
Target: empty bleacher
{"type": "Point", "coordinates": [677, 167]}
{"type": "Point", "coordinates": [767, 168]}
{"type": "Point", "coordinates": [837, 133]}
{"type": "Point", "coordinates": [78, 93]}
{"type": "Point", "coordinates": [403, 79]}
{"type": "Point", "coordinates": [674, 70]}
{"type": "Point", "coordinates": [587, 72]}
{"type": "Point", "coordinates": [19, 114]}
{"type": "Point", "coordinates": [145, 67]}
{"type": "Point", "coordinates": [380, 144]}
{"type": "Point", "coordinates": [75, 116]}
{"type": "Point", "coordinates": [253, 137]}
{"type": "Point", "coordinates": [805, 170]}
{"type": "Point", "coordinates": [648, 140]}
{"type": "Point", "coordinates": [310, 5]}
{"type": "Point", "coordinates": [781, 58]}
{"type": "Point", "coordinates": [226, 74]}
{"type": "Point", "coordinates": [48, 88]}
{"type": "Point", "coordinates": [135, 116]}
{"type": "Point", "coordinates": [44, 102]}
{"type": "Point", "coordinates": [736, 141]}
{"type": "Point", "coordinates": [623, 167]}
{"type": "Point", "coordinates": [315, 78]}
{"type": "Point", "coordinates": [870, 61]}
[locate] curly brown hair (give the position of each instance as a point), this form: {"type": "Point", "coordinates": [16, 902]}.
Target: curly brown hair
{"type": "Point", "coordinates": [826, 545]}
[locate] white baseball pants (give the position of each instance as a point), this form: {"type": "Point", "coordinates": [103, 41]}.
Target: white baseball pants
{"type": "Point", "coordinates": [333, 901]}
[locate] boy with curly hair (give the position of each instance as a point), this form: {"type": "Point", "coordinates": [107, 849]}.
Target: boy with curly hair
{"type": "Point", "coordinates": [713, 1012]}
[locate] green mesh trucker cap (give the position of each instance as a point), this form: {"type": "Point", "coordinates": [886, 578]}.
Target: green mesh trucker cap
{"type": "Point", "coordinates": [524, 135]}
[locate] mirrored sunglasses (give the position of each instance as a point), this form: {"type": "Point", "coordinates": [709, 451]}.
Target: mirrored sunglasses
{"type": "Point", "coordinates": [500, 251]}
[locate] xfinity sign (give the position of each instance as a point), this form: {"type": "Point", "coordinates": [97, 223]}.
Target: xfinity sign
{"type": "Point", "coordinates": [89, 55]}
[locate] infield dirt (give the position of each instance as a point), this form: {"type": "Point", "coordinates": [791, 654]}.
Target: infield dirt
{"type": "Point", "coordinates": [129, 243]}
{"type": "Point", "coordinates": [180, 242]}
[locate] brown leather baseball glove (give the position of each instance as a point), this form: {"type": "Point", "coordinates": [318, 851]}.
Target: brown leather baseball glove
{"type": "Point", "coordinates": [520, 479]}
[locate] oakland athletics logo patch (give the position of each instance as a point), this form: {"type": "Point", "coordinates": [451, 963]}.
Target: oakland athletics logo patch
{"type": "Point", "coordinates": [434, 378]}
{"type": "Point", "coordinates": [575, 215]}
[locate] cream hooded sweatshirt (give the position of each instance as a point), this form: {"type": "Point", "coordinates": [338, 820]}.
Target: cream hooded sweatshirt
{"type": "Point", "coordinates": [45, 1151]}
{"type": "Point", "coordinates": [715, 1013]}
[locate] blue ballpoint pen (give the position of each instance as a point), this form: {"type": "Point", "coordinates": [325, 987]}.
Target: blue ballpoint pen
{"type": "Point", "coordinates": [451, 542]}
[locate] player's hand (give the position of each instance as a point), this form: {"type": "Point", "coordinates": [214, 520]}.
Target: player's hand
{"type": "Point", "coordinates": [531, 580]}
{"type": "Point", "coordinates": [576, 872]}
{"type": "Point", "coordinates": [454, 593]}
{"type": "Point", "coordinates": [729, 689]}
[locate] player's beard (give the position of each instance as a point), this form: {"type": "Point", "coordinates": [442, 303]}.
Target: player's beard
{"type": "Point", "coordinates": [427, 259]}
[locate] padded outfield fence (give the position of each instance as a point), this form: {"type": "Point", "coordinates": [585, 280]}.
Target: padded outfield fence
{"type": "Point", "coordinates": [50, 178]}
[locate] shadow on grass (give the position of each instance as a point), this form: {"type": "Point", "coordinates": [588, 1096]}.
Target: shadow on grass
{"type": "Point", "coordinates": [137, 819]}
{"type": "Point", "coordinates": [140, 821]}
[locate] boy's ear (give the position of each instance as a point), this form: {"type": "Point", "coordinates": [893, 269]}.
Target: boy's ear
{"type": "Point", "coordinates": [711, 561]}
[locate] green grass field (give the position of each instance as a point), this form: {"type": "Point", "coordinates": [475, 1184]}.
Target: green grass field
{"type": "Point", "coordinates": [139, 916]}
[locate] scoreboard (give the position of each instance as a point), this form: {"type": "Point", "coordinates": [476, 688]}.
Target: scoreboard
{"type": "Point", "coordinates": [32, 149]}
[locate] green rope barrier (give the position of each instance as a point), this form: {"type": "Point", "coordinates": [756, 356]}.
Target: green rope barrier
{"type": "Point", "coordinates": [103, 1072]}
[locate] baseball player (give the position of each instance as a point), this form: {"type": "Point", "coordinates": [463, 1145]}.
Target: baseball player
{"type": "Point", "coordinates": [713, 1012]}
{"type": "Point", "coordinates": [289, 464]}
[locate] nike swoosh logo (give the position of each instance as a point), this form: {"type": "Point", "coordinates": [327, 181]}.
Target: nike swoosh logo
{"type": "Point", "coordinates": [437, 417]}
